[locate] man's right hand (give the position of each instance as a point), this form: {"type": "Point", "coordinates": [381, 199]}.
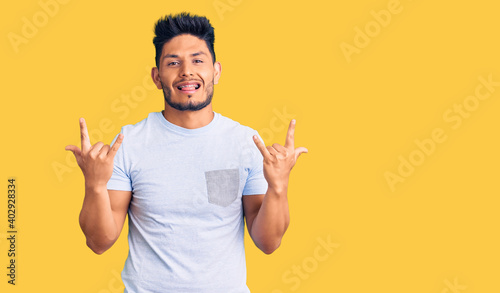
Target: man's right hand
{"type": "Point", "coordinates": [96, 161]}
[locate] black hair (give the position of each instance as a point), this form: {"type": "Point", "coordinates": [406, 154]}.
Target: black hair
{"type": "Point", "coordinates": [171, 26]}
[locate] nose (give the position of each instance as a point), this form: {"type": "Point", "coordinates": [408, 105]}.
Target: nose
{"type": "Point", "coordinates": [186, 69]}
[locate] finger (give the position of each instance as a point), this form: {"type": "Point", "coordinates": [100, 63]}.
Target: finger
{"type": "Point", "coordinates": [95, 149]}
{"type": "Point", "coordinates": [280, 149]}
{"type": "Point", "coordinates": [74, 149]}
{"type": "Point", "coordinates": [104, 151]}
{"type": "Point", "coordinates": [299, 151]}
{"type": "Point", "coordinates": [272, 150]}
{"type": "Point", "coordinates": [289, 142]}
{"type": "Point", "coordinates": [84, 135]}
{"type": "Point", "coordinates": [116, 145]}
{"type": "Point", "coordinates": [262, 148]}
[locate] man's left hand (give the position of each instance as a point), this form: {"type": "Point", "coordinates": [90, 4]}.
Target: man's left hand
{"type": "Point", "coordinates": [279, 160]}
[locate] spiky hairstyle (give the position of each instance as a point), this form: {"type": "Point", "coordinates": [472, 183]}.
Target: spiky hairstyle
{"type": "Point", "coordinates": [171, 26]}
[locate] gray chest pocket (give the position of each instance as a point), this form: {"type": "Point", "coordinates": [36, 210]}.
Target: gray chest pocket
{"type": "Point", "coordinates": [222, 186]}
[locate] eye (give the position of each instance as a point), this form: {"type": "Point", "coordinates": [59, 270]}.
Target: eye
{"type": "Point", "coordinates": [172, 63]}
{"type": "Point", "coordinates": [198, 61]}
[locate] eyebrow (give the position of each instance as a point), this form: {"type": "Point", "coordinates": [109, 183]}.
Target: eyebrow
{"type": "Point", "coordinates": [177, 56]}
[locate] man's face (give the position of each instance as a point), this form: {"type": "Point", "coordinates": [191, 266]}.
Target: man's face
{"type": "Point", "coordinates": [186, 73]}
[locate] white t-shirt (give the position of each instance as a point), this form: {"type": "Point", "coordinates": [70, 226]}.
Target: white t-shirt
{"type": "Point", "coordinates": [186, 216]}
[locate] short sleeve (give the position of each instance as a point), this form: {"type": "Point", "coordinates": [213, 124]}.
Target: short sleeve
{"type": "Point", "coordinates": [120, 179]}
{"type": "Point", "coordinates": [256, 182]}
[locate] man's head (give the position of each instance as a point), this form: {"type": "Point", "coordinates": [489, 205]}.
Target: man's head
{"type": "Point", "coordinates": [186, 69]}
{"type": "Point", "coordinates": [171, 26]}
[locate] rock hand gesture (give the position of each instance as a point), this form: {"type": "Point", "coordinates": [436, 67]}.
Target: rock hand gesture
{"type": "Point", "coordinates": [96, 161]}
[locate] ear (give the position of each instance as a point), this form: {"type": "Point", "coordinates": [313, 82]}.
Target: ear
{"type": "Point", "coordinates": [155, 75]}
{"type": "Point", "coordinates": [217, 72]}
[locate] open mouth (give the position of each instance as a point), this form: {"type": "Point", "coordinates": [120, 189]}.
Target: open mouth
{"type": "Point", "coordinates": [188, 87]}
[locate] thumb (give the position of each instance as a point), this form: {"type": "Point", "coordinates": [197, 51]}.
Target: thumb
{"type": "Point", "coordinates": [299, 151]}
{"type": "Point", "coordinates": [74, 149]}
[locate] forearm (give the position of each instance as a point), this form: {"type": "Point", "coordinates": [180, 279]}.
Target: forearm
{"type": "Point", "coordinates": [96, 219]}
{"type": "Point", "coordinates": [272, 220]}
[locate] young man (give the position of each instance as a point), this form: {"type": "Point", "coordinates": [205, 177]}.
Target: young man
{"type": "Point", "coordinates": [186, 176]}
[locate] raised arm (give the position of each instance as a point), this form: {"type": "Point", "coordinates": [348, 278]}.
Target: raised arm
{"type": "Point", "coordinates": [103, 212]}
{"type": "Point", "coordinates": [267, 215]}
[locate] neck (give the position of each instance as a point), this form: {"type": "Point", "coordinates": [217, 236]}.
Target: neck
{"type": "Point", "coordinates": [189, 119]}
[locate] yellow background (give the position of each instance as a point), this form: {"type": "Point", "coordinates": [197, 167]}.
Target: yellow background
{"type": "Point", "coordinates": [436, 232]}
